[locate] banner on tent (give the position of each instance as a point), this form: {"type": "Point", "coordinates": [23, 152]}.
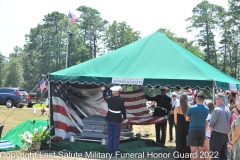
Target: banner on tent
{"type": "Point", "coordinates": [129, 81]}
{"type": "Point", "coordinates": [73, 102]}
{"type": "Point", "coordinates": [232, 87]}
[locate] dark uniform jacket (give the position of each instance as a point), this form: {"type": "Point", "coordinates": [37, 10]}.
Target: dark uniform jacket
{"type": "Point", "coordinates": [115, 103]}
{"type": "Point", "coordinates": [163, 104]}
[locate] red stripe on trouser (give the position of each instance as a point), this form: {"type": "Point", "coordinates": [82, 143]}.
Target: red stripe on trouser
{"type": "Point", "coordinates": [120, 132]}
{"type": "Point", "coordinates": [165, 132]}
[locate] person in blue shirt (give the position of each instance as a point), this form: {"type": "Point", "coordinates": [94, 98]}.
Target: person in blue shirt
{"type": "Point", "coordinates": [197, 115]}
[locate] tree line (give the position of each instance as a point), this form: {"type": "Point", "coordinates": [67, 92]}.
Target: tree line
{"type": "Point", "coordinates": [45, 46]}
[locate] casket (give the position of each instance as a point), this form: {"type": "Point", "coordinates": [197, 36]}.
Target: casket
{"type": "Point", "coordinates": [95, 123]}
{"type": "Point", "coordinates": [95, 128]}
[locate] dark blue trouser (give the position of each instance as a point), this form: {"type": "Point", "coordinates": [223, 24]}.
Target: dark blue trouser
{"type": "Point", "coordinates": [114, 132]}
{"type": "Point", "coordinates": [161, 126]}
{"type": "Point", "coordinates": [218, 145]}
{"type": "Point", "coordinates": [171, 124]}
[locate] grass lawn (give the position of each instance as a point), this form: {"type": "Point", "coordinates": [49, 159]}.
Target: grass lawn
{"type": "Point", "coordinates": [14, 116]}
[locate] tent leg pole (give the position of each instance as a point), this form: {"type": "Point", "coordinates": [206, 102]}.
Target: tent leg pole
{"type": "Point", "coordinates": [213, 91]}
{"type": "Point", "coordinates": [50, 113]}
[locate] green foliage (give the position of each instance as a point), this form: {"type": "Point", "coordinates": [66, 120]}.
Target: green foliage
{"type": "Point", "coordinates": [92, 27]}
{"type": "Point", "coordinates": [2, 68]}
{"type": "Point", "coordinates": [46, 44]}
{"type": "Point", "coordinates": [119, 34]}
{"type": "Point", "coordinates": [183, 42]}
{"type": "Point", "coordinates": [205, 19]}
{"type": "Point", "coordinates": [41, 134]}
{"type": "Point", "coordinates": [14, 73]}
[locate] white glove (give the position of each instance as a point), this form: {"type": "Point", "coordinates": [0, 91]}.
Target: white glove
{"type": "Point", "coordinates": [125, 121]}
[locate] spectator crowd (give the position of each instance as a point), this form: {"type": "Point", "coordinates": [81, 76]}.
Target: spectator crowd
{"type": "Point", "coordinates": [203, 131]}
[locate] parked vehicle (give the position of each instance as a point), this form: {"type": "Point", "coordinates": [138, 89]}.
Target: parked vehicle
{"type": "Point", "coordinates": [13, 97]}
{"type": "Point", "coordinates": [34, 98]}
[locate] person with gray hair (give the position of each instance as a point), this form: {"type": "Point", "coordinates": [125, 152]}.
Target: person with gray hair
{"type": "Point", "coordinates": [175, 102]}
{"type": "Point", "coordinates": [219, 128]}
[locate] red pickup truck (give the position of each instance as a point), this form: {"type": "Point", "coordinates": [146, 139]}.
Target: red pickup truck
{"type": "Point", "coordinates": [33, 99]}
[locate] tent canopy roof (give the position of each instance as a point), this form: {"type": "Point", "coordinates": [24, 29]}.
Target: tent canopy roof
{"type": "Point", "coordinates": [156, 59]}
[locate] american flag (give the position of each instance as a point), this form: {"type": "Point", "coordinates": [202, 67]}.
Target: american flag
{"type": "Point", "coordinates": [72, 18]}
{"type": "Point", "coordinates": [190, 90]}
{"type": "Point", "coordinates": [137, 111]}
{"type": "Point", "coordinates": [42, 85]}
{"type": "Point", "coordinates": [73, 102]}
{"type": "Point", "coordinates": [193, 93]}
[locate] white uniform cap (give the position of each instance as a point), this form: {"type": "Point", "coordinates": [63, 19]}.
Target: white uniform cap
{"type": "Point", "coordinates": [174, 93]}
{"type": "Point", "coordinates": [116, 88]}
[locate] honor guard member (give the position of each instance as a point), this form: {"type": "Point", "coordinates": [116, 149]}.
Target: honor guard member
{"type": "Point", "coordinates": [162, 109]}
{"type": "Point", "coordinates": [116, 109]}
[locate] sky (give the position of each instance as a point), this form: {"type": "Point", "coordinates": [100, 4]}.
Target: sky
{"type": "Point", "coordinates": [17, 17]}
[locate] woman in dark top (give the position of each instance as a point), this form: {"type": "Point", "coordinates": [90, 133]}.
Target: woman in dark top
{"type": "Point", "coordinates": [114, 117]}
{"type": "Point", "coordinates": [182, 127]}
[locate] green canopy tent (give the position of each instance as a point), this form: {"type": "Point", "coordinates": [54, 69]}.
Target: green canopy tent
{"type": "Point", "coordinates": [154, 60]}
{"type": "Point", "coordinates": [151, 61]}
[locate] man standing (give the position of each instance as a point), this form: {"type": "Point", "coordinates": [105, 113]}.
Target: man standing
{"type": "Point", "coordinates": [175, 101]}
{"type": "Point", "coordinates": [219, 128]}
{"type": "Point", "coordinates": [116, 110]}
{"type": "Point", "coordinates": [162, 109]}
{"type": "Point", "coordinates": [197, 115]}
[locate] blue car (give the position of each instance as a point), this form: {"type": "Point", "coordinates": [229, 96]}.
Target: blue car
{"type": "Point", "coordinates": [13, 97]}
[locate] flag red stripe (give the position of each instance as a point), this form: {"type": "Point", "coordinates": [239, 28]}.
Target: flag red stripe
{"type": "Point", "coordinates": [60, 109]}
{"type": "Point", "coordinates": [132, 92]}
{"type": "Point", "coordinates": [135, 106]}
{"type": "Point", "coordinates": [134, 99]}
{"type": "Point", "coordinates": [141, 113]}
{"type": "Point", "coordinates": [65, 127]}
{"type": "Point", "coordinates": [147, 122]}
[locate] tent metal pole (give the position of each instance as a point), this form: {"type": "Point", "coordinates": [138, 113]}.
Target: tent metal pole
{"type": "Point", "coordinates": [213, 91]}
{"type": "Point", "coordinates": [66, 61]}
{"type": "Point", "coordinates": [50, 116]}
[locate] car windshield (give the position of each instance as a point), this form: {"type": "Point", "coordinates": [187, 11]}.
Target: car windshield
{"type": "Point", "coordinates": [23, 92]}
